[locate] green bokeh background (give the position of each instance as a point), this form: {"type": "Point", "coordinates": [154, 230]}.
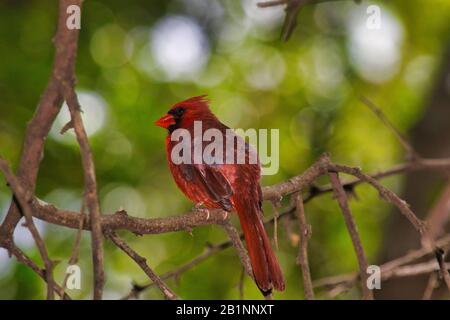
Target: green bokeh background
{"type": "Point", "coordinates": [308, 88]}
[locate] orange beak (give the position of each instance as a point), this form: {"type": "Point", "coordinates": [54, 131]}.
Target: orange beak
{"type": "Point", "coordinates": [166, 121]}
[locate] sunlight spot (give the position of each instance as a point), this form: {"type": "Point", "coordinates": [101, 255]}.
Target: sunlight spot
{"type": "Point", "coordinates": [264, 68]}
{"type": "Point", "coordinates": [119, 145]}
{"type": "Point", "coordinates": [230, 37]}
{"type": "Point", "coordinates": [230, 107]}
{"type": "Point", "coordinates": [125, 197]}
{"type": "Point", "coordinates": [22, 236]}
{"type": "Point", "coordinates": [179, 47]}
{"type": "Point", "coordinates": [418, 72]}
{"type": "Point", "coordinates": [110, 46]}
{"type": "Point", "coordinates": [216, 72]}
{"type": "Point", "coordinates": [270, 17]}
{"type": "Point", "coordinates": [94, 115]}
{"type": "Point", "coordinates": [375, 53]}
{"type": "Point", "coordinates": [64, 198]}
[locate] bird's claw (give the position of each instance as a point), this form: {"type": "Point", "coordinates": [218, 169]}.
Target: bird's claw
{"type": "Point", "coordinates": [198, 207]}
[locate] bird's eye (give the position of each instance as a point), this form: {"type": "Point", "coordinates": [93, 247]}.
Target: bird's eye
{"type": "Point", "coordinates": [177, 112]}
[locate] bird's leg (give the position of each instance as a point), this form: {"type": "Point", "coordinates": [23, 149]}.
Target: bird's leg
{"type": "Point", "coordinates": [199, 208]}
{"type": "Point", "coordinates": [225, 215]}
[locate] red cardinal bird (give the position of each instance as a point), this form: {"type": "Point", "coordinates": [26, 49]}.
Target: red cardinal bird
{"type": "Point", "coordinates": [224, 185]}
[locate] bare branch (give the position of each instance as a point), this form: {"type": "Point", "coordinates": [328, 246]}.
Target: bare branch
{"type": "Point", "coordinates": [293, 8]}
{"type": "Point", "coordinates": [239, 246]}
{"type": "Point", "coordinates": [305, 234]}
{"type": "Point", "coordinates": [24, 259]}
{"type": "Point", "coordinates": [142, 262]}
{"type": "Point", "coordinates": [276, 204]}
{"type": "Point", "coordinates": [187, 221]}
{"type": "Point", "coordinates": [62, 85]}
{"type": "Point", "coordinates": [23, 199]}
{"type": "Point", "coordinates": [440, 257]}
{"type": "Point", "coordinates": [66, 42]}
{"type": "Point", "coordinates": [66, 127]}
{"type": "Point", "coordinates": [388, 269]}
{"type": "Point", "coordinates": [431, 285]}
{"type": "Point", "coordinates": [210, 251]}
{"type": "Point", "coordinates": [49, 105]}
{"type": "Point", "coordinates": [386, 194]}
{"type": "Point", "coordinates": [412, 166]}
{"type": "Point", "coordinates": [341, 197]}
{"type": "Point", "coordinates": [90, 189]}
{"type": "Point", "coordinates": [75, 249]}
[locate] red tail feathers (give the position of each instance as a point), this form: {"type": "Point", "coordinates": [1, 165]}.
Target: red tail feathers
{"type": "Point", "coordinates": [265, 266]}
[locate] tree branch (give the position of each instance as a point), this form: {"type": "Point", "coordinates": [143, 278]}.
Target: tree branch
{"type": "Point", "coordinates": [210, 250]}
{"type": "Point", "coordinates": [24, 259]}
{"type": "Point", "coordinates": [239, 246]}
{"type": "Point", "coordinates": [388, 269]}
{"type": "Point", "coordinates": [49, 105]}
{"type": "Point", "coordinates": [440, 255]}
{"type": "Point", "coordinates": [341, 197]}
{"type": "Point", "coordinates": [90, 187]}
{"type": "Point", "coordinates": [142, 262]}
{"type": "Point", "coordinates": [305, 234]}
{"type": "Point", "coordinates": [23, 199]}
{"type": "Point", "coordinates": [293, 8]}
{"type": "Point", "coordinates": [320, 167]}
{"type": "Point", "coordinates": [385, 193]}
{"type": "Point", "coordinates": [75, 249]}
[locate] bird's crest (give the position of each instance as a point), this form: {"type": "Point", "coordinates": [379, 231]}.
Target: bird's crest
{"type": "Point", "coordinates": [198, 102]}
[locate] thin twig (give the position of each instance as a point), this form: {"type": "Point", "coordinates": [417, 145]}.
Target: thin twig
{"type": "Point", "coordinates": [66, 41]}
{"type": "Point", "coordinates": [341, 283]}
{"type": "Point", "coordinates": [305, 234]}
{"type": "Point", "coordinates": [341, 197]}
{"type": "Point", "coordinates": [386, 194]}
{"type": "Point", "coordinates": [142, 262]}
{"type": "Point", "coordinates": [66, 127]}
{"type": "Point", "coordinates": [292, 9]}
{"type": "Point", "coordinates": [23, 200]}
{"type": "Point", "coordinates": [193, 219]}
{"type": "Point", "coordinates": [388, 269]}
{"type": "Point", "coordinates": [272, 3]}
{"type": "Point", "coordinates": [24, 259]}
{"type": "Point", "coordinates": [186, 222]}
{"type": "Point", "coordinates": [210, 250]}
{"type": "Point", "coordinates": [276, 204]}
{"type": "Point", "coordinates": [440, 257]}
{"type": "Point", "coordinates": [239, 246]}
{"type": "Point", "coordinates": [75, 250]}
{"type": "Point", "coordinates": [431, 285]}
{"type": "Point", "coordinates": [90, 192]}
{"type": "Point", "coordinates": [116, 221]}
{"type": "Point", "coordinates": [411, 166]}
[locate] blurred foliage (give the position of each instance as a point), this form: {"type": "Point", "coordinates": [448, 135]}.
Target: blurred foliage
{"type": "Point", "coordinates": [136, 58]}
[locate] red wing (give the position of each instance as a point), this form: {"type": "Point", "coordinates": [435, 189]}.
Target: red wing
{"type": "Point", "coordinates": [214, 182]}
